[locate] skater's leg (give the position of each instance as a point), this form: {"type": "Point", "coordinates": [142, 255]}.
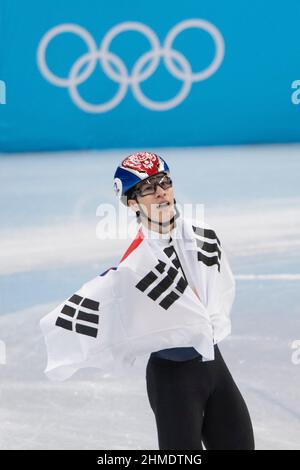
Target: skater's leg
{"type": "Point", "coordinates": [177, 404]}
{"type": "Point", "coordinates": [227, 423]}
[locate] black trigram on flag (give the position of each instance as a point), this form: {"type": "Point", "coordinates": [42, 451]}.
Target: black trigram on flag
{"type": "Point", "coordinates": [209, 247]}
{"type": "Point", "coordinates": [160, 280]}
{"type": "Point", "coordinates": [76, 312]}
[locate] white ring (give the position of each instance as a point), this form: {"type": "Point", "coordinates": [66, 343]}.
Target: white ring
{"type": "Point", "coordinates": [41, 53]}
{"type": "Point", "coordinates": [96, 108]}
{"type": "Point", "coordinates": [162, 105]}
{"type": "Point", "coordinates": [216, 36]}
{"type": "Point", "coordinates": [124, 27]}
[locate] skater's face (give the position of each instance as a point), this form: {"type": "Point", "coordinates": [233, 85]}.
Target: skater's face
{"type": "Point", "coordinates": [159, 204]}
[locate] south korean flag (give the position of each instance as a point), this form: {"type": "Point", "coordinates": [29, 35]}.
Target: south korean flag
{"type": "Point", "coordinates": [81, 331]}
{"type": "Point", "coordinates": [163, 279]}
{"type": "Point", "coordinates": [80, 314]}
{"type": "Point", "coordinates": [143, 305]}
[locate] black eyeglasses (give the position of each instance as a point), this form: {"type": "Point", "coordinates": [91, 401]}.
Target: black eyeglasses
{"type": "Point", "coordinates": [149, 186]}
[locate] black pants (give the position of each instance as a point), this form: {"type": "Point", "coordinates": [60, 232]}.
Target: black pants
{"type": "Point", "coordinates": [197, 402]}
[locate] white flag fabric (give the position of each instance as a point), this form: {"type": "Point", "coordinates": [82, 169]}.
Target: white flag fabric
{"type": "Point", "coordinates": [144, 305]}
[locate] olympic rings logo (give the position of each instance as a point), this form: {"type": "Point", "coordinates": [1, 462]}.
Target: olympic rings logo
{"type": "Point", "coordinates": [122, 75]}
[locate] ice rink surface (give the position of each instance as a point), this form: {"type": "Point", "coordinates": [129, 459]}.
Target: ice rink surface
{"type": "Point", "coordinates": [49, 248]}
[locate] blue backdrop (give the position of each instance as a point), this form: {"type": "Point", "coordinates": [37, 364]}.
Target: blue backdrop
{"type": "Point", "coordinates": [95, 74]}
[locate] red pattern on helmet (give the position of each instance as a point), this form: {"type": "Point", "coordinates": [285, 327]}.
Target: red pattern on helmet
{"type": "Point", "coordinates": [144, 162]}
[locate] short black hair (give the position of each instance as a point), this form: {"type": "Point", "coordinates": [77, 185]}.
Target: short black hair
{"type": "Point", "coordinates": [130, 195]}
